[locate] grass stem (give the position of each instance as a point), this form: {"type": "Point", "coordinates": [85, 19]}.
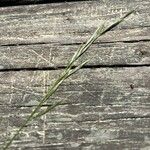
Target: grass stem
{"type": "Point", "coordinates": [66, 73]}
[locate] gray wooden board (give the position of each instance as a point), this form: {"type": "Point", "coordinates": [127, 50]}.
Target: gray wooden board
{"type": "Point", "coordinates": [105, 108]}
{"type": "Point", "coordinates": [56, 55]}
{"type": "Point", "coordinates": [73, 22]}
{"type": "Point", "coordinates": [64, 25]}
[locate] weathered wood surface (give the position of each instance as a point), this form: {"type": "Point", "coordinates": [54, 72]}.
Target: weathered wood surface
{"type": "Point", "coordinates": [63, 26]}
{"type": "Point", "coordinates": [103, 112]}
{"type": "Point", "coordinates": [105, 108]}
{"type": "Point", "coordinates": [68, 23]}
{"type": "Point", "coordinates": [56, 55]}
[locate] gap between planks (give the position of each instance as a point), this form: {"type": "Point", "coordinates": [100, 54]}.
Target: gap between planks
{"type": "Point", "coordinates": [84, 67]}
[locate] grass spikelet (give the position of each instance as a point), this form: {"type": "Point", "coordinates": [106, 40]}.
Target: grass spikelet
{"type": "Point", "coordinates": [70, 70]}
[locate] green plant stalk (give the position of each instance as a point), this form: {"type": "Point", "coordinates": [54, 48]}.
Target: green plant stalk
{"type": "Point", "coordinates": [59, 102]}
{"type": "Point", "coordinates": [67, 73]}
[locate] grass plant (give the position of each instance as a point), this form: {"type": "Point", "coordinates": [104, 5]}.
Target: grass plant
{"type": "Point", "coordinates": [68, 71]}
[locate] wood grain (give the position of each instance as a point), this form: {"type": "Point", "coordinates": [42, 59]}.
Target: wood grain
{"type": "Point", "coordinates": [106, 104]}
{"type": "Point", "coordinates": [73, 22]}
{"type": "Point", "coordinates": [56, 55]}
{"type": "Point", "coordinates": [64, 25]}
{"type": "Point", "coordinates": [102, 109]}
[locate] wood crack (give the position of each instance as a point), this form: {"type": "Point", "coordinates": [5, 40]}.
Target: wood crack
{"type": "Point", "coordinates": [84, 67]}
{"type": "Point", "coordinates": [73, 44]}
{"type": "Point", "coordinates": [128, 117]}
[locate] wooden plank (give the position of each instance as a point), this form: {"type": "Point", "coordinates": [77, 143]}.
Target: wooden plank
{"type": "Point", "coordinates": [73, 22]}
{"type": "Point", "coordinates": [57, 55]}
{"type": "Point", "coordinates": [107, 108]}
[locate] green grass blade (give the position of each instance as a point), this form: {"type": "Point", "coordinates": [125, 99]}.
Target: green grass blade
{"type": "Point", "coordinates": [49, 108]}
{"type": "Point", "coordinates": [77, 68]}
{"type": "Point", "coordinates": [117, 22]}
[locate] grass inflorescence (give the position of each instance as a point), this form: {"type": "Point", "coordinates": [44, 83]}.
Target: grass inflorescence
{"type": "Point", "coordinates": [70, 69]}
